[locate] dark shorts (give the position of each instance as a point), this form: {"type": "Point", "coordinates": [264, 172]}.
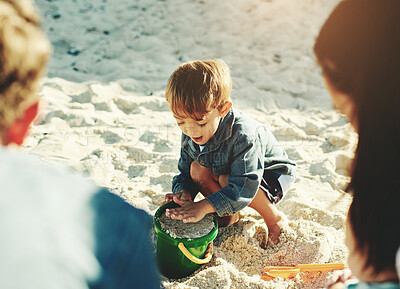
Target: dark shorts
{"type": "Point", "coordinates": [270, 185]}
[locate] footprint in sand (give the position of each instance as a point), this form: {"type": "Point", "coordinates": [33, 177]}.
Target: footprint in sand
{"type": "Point", "coordinates": [136, 171]}
{"type": "Point", "coordinates": [83, 97]}
{"type": "Point", "coordinates": [138, 154]}
{"type": "Point", "coordinates": [343, 162]}
{"type": "Point", "coordinates": [126, 104]}
{"type": "Point", "coordinates": [111, 137]}
{"type": "Point", "coordinates": [163, 180]}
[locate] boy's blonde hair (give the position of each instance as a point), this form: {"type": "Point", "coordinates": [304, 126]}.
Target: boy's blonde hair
{"type": "Point", "coordinates": [24, 52]}
{"type": "Point", "coordinates": [197, 87]}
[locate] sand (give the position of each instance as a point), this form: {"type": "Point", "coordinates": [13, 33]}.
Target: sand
{"type": "Point", "coordinates": [177, 229]}
{"type": "Point", "coordinates": [106, 116]}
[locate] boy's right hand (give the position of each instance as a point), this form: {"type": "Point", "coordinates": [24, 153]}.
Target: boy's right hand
{"type": "Point", "coordinates": [181, 197]}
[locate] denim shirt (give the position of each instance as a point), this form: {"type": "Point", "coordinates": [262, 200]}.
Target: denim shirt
{"type": "Point", "coordinates": [241, 148]}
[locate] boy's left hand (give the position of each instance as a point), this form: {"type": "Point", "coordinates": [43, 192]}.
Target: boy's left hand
{"type": "Point", "coordinates": [190, 212]}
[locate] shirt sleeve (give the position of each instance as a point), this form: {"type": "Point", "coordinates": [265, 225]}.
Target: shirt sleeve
{"type": "Point", "coordinates": [276, 158]}
{"type": "Point", "coordinates": [123, 245]}
{"type": "Point", "coordinates": [183, 180]}
{"type": "Point", "coordinates": [245, 176]}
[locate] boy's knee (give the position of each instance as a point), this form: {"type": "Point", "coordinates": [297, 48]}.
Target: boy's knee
{"type": "Point", "coordinates": [199, 173]}
{"type": "Point", "coordinates": [223, 180]}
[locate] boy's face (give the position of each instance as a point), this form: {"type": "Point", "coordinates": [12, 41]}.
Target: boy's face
{"type": "Point", "coordinates": [201, 131]}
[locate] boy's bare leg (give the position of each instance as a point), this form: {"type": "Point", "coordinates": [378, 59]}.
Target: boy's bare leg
{"type": "Point", "coordinates": [209, 184]}
{"type": "Point", "coordinates": [274, 219]}
{"type": "Point", "coordinates": [205, 178]}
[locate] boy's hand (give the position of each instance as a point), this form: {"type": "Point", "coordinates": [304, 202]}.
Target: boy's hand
{"type": "Point", "coordinates": [182, 196]}
{"type": "Point", "coordinates": [190, 212]}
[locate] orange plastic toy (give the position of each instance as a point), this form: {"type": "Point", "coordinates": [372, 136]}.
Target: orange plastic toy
{"type": "Point", "coordinates": [289, 272]}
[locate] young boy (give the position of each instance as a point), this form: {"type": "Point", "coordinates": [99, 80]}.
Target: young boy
{"type": "Point", "coordinates": [57, 230]}
{"type": "Point", "coordinates": [233, 160]}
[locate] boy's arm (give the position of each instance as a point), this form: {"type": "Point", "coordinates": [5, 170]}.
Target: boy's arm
{"type": "Point", "coordinates": [183, 181]}
{"type": "Point", "coordinates": [247, 168]}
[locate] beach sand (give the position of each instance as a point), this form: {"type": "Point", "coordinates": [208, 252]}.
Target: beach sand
{"type": "Point", "coordinates": [107, 118]}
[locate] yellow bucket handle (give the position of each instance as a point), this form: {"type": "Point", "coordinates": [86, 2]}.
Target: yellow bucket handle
{"type": "Point", "coordinates": [194, 259]}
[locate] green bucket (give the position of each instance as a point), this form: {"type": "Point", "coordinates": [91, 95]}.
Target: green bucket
{"type": "Point", "coordinates": [178, 258]}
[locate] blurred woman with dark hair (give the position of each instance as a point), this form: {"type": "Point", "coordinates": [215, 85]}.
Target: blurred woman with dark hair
{"type": "Point", "coordinates": [358, 49]}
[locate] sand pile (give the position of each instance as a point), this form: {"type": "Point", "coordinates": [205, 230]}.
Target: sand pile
{"type": "Point", "coordinates": [178, 229]}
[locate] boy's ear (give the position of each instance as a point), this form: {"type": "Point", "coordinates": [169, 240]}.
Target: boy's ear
{"type": "Point", "coordinates": [225, 108]}
{"type": "Point", "coordinates": [17, 131]}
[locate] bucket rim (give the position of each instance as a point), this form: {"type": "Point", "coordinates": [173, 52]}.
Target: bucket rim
{"type": "Point", "coordinates": [192, 242]}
